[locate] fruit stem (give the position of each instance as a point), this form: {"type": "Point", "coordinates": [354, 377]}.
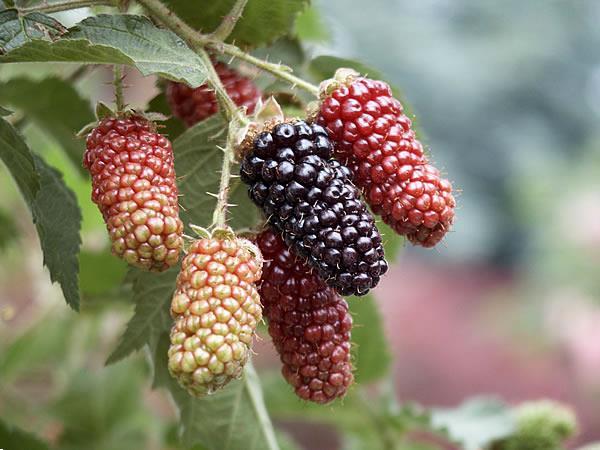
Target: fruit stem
{"type": "Point", "coordinates": [118, 84]}
{"type": "Point", "coordinates": [65, 5]}
{"type": "Point", "coordinates": [199, 41]}
{"type": "Point", "coordinates": [220, 212]}
{"type": "Point", "coordinates": [225, 28]}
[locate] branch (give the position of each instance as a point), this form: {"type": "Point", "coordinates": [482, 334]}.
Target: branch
{"type": "Point", "coordinates": [65, 5]}
{"type": "Point", "coordinates": [229, 21]}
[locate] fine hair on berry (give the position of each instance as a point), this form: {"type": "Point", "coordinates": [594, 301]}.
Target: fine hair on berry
{"type": "Point", "coordinates": [216, 308]}
{"type": "Point", "coordinates": [133, 184]}
{"type": "Point", "coordinates": [193, 105]}
{"type": "Point", "coordinates": [374, 137]}
{"type": "Point", "coordinates": [309, 198]}
{"type": "Point", "coordinates": [309, 323]}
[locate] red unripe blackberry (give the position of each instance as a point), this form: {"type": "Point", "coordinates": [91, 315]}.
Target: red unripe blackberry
{"type": "Point", "coordinates": [308, 197]}
{"type": "Point", "coordinates": [373, 137]}
{"type": "Point", "coordinates": [216, 308]}
{"type": "Point", "coordinates": [193, 105]}
{"type": "Point", "coordinates": [133, 184]}
{"type": "Point", "coordinates": [308, 322]}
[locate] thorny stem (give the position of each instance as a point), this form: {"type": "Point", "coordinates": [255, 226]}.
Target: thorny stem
{"type": "Point", "coordinates": [65, 5]}
{"type": "Point", "coordinates": [229, 21]}
{"type": "Point", "coordinates": [220, 213]}
{"type": "Point", "coordinates": [118, 84]}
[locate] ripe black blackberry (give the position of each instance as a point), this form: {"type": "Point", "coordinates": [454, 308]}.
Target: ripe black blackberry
{"type": "Point", "coordinates": [311, 201]}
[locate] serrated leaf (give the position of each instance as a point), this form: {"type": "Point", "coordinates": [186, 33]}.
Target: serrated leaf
{"type": "Point", "coordinates": [45, 109]}
{"type": "Point", "coordinates": [58, 221]}
{"type": "Point", "coordinates": [371, 353]}
{"type": "Point", "coordinates": [54, 209]}
{"type": "Point", "coordinates": [19, 160]}
{"type": "Point", "coordinates": [198, 160]}
{"type": "Point", "coordinates": [475, 423]}
{"type": "Point", "coordinates": [262, 22]}
{"type": "Point", "coordinates": [231, 419]}
{"type": "Point", "coordinates": [17, 30]}
{"type": "Point", "coordinates": [14, 438]}
{"type": "Point", "coordinates": [117, 39]}
{"type": "Point", "coordinates": [152, 297]}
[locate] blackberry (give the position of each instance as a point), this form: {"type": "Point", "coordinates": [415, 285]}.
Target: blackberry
{"type": "Point", "coordinates": [309, 198]}
{"type": "Point", "coordinates": [308, 321]}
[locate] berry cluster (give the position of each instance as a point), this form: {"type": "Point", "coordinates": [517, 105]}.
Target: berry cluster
{"type": "Point", "coordinates": [216, 308]}
{"type": "Point", "coordinates": [308, 322]}
{"type": "Point", "coordinates": [309, 198]}
{"type": "Point", "coordinates": [194, 105]}
{"type": "Point", "coordinates": [373, 136]}
{"type": "Point", "coordinates": [133, 184]}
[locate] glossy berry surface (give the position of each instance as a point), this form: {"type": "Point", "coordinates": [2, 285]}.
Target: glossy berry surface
{"type": "Point", "coordinates": [308, 321]}
{"type": "Point", "coordinates": [133, 184]}
{"type": "Point", "coordinates": [308, 197]}
{"type": "Point", "coordinates": [216, 310]}
{"type": "Point", "coordinates": [193, 105]}
{"type": "Point", "coordinates": [374, 138]}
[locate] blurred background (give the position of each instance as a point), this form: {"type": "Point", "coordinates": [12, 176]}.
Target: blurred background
{"type": "Point", "coordinates": [507, 97]}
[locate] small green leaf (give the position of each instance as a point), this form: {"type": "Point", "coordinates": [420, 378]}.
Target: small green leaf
{"type": "Point", "coordinates": [371, 353]}
{"type": "Point", "coordinates": [117, 39]}
{"type": "Point", "coordinates": [44, 109]}
{"type": "Point", "coordinates": [4, 112]}
{"type": "Point", "coordinates": [262, 22]}
{"type": "Point", "coordinates": [475, 423]}
{"type": "Point", "coordinates": [54, 209]}
{"type": "Point", "coordinates": [14, 438]}
{"type": "Point", "coordinates": [16, 30]}
{"type": "Point", "coordinates": [198, 160]}
{"type": "Point", "coordinates": [152, 297]}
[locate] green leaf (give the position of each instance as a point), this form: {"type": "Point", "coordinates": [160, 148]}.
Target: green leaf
{"type": "Point", "coordinates": [392, 242]}
{"type": "Point", "coordinates": [4, 112]}
{"type": "Point", "coordinates": [8, 230]}
{"type": "Point", "coordinates": [310, 26]}
{"type": "Point", "coordinates": [198, 160]}
{"type": "Point", "coordinates": [231, 419]}
{"type": "Point", "coordinates": [475, 423]}
{"type": "Point", "coordinates": [371, 353]}
{"type": "Point", "coordinates": [44, 108]}
{"type": "Point", "coordinates": [100, 272]}
{"type": "Point", "coordinates": [262, 22]}
{"type": "Point", "coordinates": [152, 297]}
{"type": "Point", "coordinates": [19, 160]}
{"type": "Point", "coordinates": [15, 31]}
{"type": "Point", "coordinates": [117, 39]}
{"type": "Point", "coordinates": [12, 438]}
{"type": "Point", "coordinates": [54, 209]}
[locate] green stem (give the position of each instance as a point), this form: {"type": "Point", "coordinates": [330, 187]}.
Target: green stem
{"type": "Point", "coordinates": [118, 84]}
{"type": "Point", "coordinates": [65, 5]}
{"type": "Point", "coordinates": [278, 70]}
{"type": "Point", "coordinates": [220, 212]}
{"type": "Point", "coordinates": [229, 21]}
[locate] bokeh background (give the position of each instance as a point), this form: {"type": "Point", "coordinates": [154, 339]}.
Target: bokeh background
{"type": "Point", "coordinates": [507, 97]}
